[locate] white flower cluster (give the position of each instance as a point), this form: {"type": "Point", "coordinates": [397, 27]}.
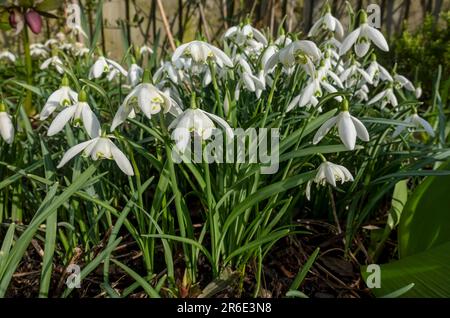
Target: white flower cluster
{"type": "Point", "coordinates": [317, 67]}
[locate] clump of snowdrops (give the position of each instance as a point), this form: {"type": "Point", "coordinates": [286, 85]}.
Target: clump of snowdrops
{"type": "Point", "coordinates": [95, 167]}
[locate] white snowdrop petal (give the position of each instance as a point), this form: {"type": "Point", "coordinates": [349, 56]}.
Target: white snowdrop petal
{"type": "Point", "coordinates": [61, 120]}
{"type": "Point", "coordinates": [90, 121]}
{"type": "Point", "coordinates": [121, 160]}
{"type": "Point", "coordinates": [377, 38]}
{"type": "Point", "coordinates": [349, 41]}
{"type": "Point", "coordinates": [347, 131]}
{"type": "Point", "coordinates": [426, 125]}
{"type": "Point", "coordinates": [324, 129]}
{"type": "Point", "coordinates": [75, 150]}
{"type": "Point", "coordinates": [361, 130]}
{"type": "Point", "coordinates": [6, 127]}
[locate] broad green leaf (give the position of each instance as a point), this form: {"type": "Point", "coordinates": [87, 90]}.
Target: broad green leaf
{"type": "Point", "coordinates": [428, 271]}
{"type": "Point", "coordinates": [425, 221]}
{"type": "Point", "coordinates": [399, 199]}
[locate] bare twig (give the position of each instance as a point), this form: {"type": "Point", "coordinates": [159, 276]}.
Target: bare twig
{"type": "Point", "coordinates": [205, 23]}
{"type": "Point", "coordinates": [166, 24]}
{"type": "Point", "coordinates": [333, 207]}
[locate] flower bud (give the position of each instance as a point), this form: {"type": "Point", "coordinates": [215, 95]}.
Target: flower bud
{"type": "Point", "coordinates": [34, 21]}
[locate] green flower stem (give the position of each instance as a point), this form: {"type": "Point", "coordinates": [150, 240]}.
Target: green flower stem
{"type": "Point", "coordinates": [29, 109]}
{"type": "Point", "coordinates": [213, 220]}
{"type": "Point", "coordinates": [217, 104]}
{"type": "Point", "coordinates": [182, 221]}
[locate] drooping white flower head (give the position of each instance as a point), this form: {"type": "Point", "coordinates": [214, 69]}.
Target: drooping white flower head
{"type": "Point", "coordinates": [79, 49]}
{"type": "Point", "coordinates": [418, 91]}
{"type": "Point", "coordinates": [51, 42]}
{"type": "Point", "coordinates": [38, 50]}
{"type": "Point", "coordinates": [241, 34]}
{"type": "Point", "coordinates": [6, 125]}
{"type": "Point", "coordinates": [198, 122]}
{"type": "Point", "coordinates": [134, 74]}
{"type": "Point", "coordinates": [201, 52]}
{"type": "Point", "coordinates": [248, 80]}
{"type": "Point", "coordinates": [329, 172]}
{"type": "Point", "coordinates": [387, 96]}
{"type": "Point", "coordinates": [327, 22]}
{"type": "Point", "coordinates": [145, 98]}
{"type": "Point", "coordinates": [7, 55]}
{"type": "Point", "coordinates": [104, 65]}
{"type": "Point", "coordinates": [400, 81]}
{"type": "Point", "coordinates": [312, 91]}
{"type": "Point", "coordinates": [349, 127]}
{"type": "Point", "coordinates": [100, 147]}
{"type": "Point", "coordinates": [303, 52]}
{"type": "Point", "coordinates": [353, 74]}
{"type": "Point", "coordinates": [63, 96]}
{"type": "Point", "coordinates": [362, 93]}
{"type": "Point", "coordinates": [54, 61]}
{"type": "Point", "coordinates": [145, 50]}
{"type": "Point", "coordinates": [418, 122]}
{"type": "Point", "coordinates": [361, 38]}
{"type": "Point", "coordinates": [167, 70]}
{"type": "Point", "coordinates": [79, 112]}
{"type": "Point", "coordinates": [377, 72]}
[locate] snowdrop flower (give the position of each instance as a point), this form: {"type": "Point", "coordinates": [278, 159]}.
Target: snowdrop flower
{"type": "Point", "coordinates": [99, 147]}
{"type": "Point", "coordinates": [75, 28]}
{"type": "Point", "coordinates": [349, 128]}
{"type": "Point", "coordinates": [145, 50]}
{"type": "Point", "coordinates": [6, 125]}
{"type": "Point", "coordinates": [329, 172]}
{"type": "Point", "coordinates": [362, 93]}
{"type": "Point", "coordinates": [351, 74]}
{"type": "Point", "coordinates": [327, 22]}
{"type": "Point", "coordinates": [50, 42]}
{"type": "Point", "coordinates": [387, 97]}
{"type": "Point", "coordinates": [377, 72]}
{"type": "Point", "coordinates": [134, 74]}
{"type": "Point", "coordinates": [104, 65]}
{"type": "Point", "coordinates": [400, 81]}
{"type": "Point", "coordinates": [282, 40]}
{"type": "Point", "coordinates": [302, 52]}
{"type": "Point", "coordinates": [361, 38]}
{"type": "Point", "coordinates": [80, 50]}
{"type": "Point", "coordinates": [311, 92]}
{"type": "Point", "coordinates": [418, 122]}
{"type": "Point", "coordinates": [197, 121]}
{"type": "Point", "coordinates": [251, 82]}
{"type": "Point", "coordinates": [418, 91]}
{"type": "Point", "coordinates": [166, 69]}
{"type": "Point", "coordinates": [64, 96]}
{"type": "Point", "coordinates": [54, 61]}
{"type": "Point", "coordinates": [149, 100]}
{"type": "Point", "coordinates": [79, 112]}
{"type": "Point", "coordinates": [68, 47]}
{"type": "Point", "coordinates": [201, 52]}
{"type": "Point", "coordinates": [8, 56]}
{"type": "Point", "coordinates": [240, 35]}
{"type": "Point", "coordinates": [38, 50]}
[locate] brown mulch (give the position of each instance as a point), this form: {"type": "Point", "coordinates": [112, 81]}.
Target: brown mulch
{"type": "Point", "coordinates": [335, 273]}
